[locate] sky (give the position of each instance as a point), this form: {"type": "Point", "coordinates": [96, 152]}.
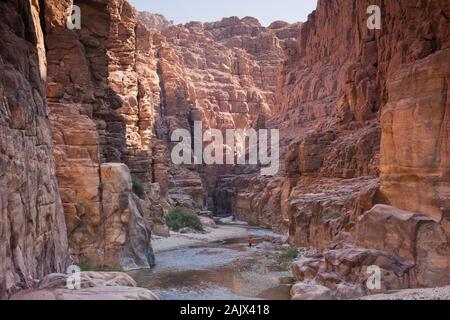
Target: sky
{"type": "Point", "coordinates": [266, 11]}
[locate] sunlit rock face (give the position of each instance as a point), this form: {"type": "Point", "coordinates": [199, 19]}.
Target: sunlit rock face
{"type": "Point", "coordinates": [102, 87]}
{"type": "Point", "coordinates": [223, 74]}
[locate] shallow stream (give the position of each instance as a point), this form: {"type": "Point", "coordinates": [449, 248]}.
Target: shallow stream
{"type": "Point", "coordinates": [227, 270]}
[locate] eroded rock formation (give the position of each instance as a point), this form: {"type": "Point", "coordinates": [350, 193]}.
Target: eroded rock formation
{"type": "Point", "coordinates": [93, 286]}
{"type": "Point", "coordinates": [102, 112]}
{"type": "Point", "coordinates": [33, 238]}
{"type": "Point", "coordinates": [349, 100]}
{"type": "Point", "coordinates": [223, 74]}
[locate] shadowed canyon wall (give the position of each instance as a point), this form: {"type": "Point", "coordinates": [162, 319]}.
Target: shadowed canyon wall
{"type": "Point", "coordinates": [33, 238]}
{"type": "Point", "coordinates": [357, 130]}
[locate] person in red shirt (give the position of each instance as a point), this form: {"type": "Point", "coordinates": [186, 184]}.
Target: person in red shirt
{"type": "Point", "coordinates": [250, 242]}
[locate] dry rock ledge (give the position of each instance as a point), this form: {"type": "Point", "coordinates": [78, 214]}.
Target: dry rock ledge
{"type": "Point", "coordinates": [179, 240]}
{"type": "Point", "coordinates": [94, 286]}
{"type": "Point", "coordinates": [442, 293]}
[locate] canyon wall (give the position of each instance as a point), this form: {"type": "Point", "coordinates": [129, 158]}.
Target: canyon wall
{"type": "Point", "coordinates": [223, 74]}
{"type": "Point", "coordinates": [101, 112]}
{"type": "Point", "coordinates": [33, 238]}
{"type": "Point", "coordinates": [365, 117]}
{"type": "Point", "coordinates": [76, 127]}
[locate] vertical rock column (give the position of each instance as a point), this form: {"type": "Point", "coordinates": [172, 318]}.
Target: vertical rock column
{"type": "Point", "coordinates": [92, 89]}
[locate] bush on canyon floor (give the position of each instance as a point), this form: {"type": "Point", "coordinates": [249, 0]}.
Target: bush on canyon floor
{"type": "Point", "coordinates": [87, 265]}
{"type": "Point", "coordinates": [180, 218]}
{"type": "Point", "coordinates": [138, 186]}
{"type": "Point", "coordinates": [285, 259]}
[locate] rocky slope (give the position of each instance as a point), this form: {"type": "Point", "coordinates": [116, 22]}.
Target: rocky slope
{"type": "Point", "coordinates": [332, 89]}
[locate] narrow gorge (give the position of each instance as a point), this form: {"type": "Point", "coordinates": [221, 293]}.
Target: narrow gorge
{"type": "Point", "coordinates": [87, 116]}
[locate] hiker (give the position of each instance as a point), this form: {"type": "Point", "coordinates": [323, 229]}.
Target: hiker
{"type": "Point", "coordinates": [250, 242]}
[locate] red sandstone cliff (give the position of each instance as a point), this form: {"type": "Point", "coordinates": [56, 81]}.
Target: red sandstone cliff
{"type": "Point", "coordinates": [349, 100]}
{"type": "Point", "coordinates": [101, 95]}
{"type": "Point", "coordinates": [91, 92]}
{"type": "Point", "coordinates": [33, 237]}
{"type": "Point", "coordinates": [223, 74]}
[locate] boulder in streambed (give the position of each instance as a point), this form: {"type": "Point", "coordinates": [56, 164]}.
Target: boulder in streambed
{"type": "Point", "coordinates": [92, 286]}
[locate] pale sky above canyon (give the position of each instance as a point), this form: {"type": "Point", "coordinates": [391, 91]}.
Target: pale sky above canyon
{"type": "Point", "coordinates": [266, 11]}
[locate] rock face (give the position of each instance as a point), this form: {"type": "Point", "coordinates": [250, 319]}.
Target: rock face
{"type": "Point", "coordinates": [93, 286]}
{"type": "Point", "coordinates": [363, 104]}
{"type": "Point", "coordinates": [222, 74]}
{"type": "Point", "coordinates": [345, 272]}
{"type": "Point", "coordinates": [331, 89]}
{"type": "Point", "coordinates": [101, 98]}
{"type": "Point", "coordinates": [33, 238]}
{"type": "Point", "coordinates": [415, 142]}
{"type": "Point", "coordinates": [125, 231]}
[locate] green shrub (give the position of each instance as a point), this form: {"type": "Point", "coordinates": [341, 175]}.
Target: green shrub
{"type": "Point", "coordinates": [329, 216]}
{"type": "Point", "coordinates": [285, 259]}
{"type": "Point", "coordinates": [87, 265]}
{"type": "Point", "coordinates": [138, 186]}
{"type": "Point", "coordinates": [179, 218]}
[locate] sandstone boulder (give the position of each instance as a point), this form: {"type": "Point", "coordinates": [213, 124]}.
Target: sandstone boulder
{"type": "Point", "coordinates": [94, 286]}
{"type": "Point", "coordinates": [311, 291]}
{"type": "Point", "coordinates": [127, 239]}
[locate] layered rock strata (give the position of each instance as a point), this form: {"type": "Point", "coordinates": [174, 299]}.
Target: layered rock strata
{"type": "Point", "coordinates": [33, 238]}
{"type": "Point", "coordinates": [363, 104]}
{"type": "Point", "coordinates": [222, 74]}
{"type": "Point", "coordinates": [101, 96]}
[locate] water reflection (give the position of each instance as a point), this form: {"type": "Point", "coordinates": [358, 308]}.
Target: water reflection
{"type": "Point", "coordinates": [227, 271]}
